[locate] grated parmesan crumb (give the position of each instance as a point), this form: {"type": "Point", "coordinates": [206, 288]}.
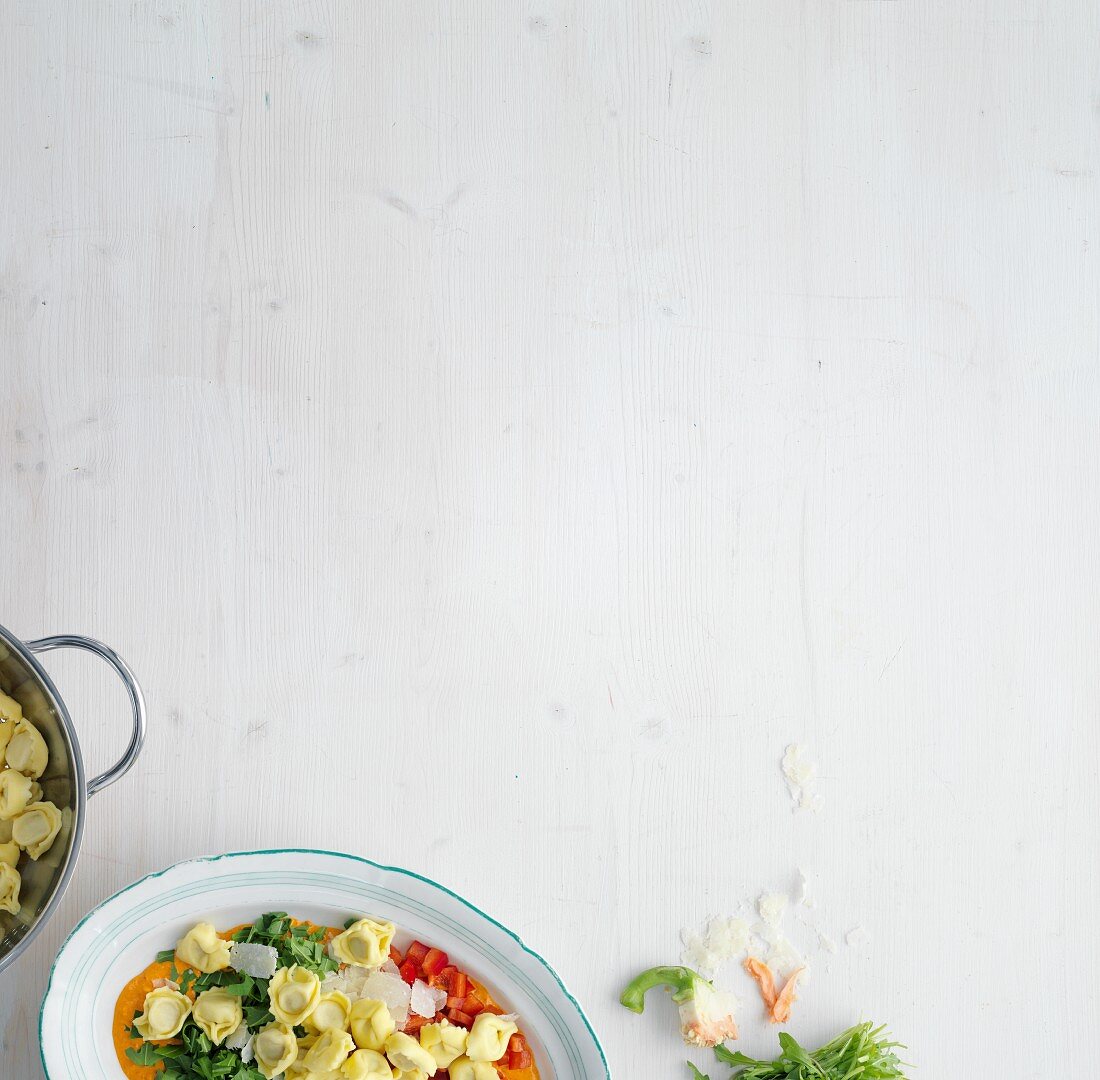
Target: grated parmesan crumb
{"type": "Point", "coordinates": [801, 776]}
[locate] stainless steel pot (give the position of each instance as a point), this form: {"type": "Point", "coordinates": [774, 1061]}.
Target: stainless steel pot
{"type": "Point", "coordinates": [63, 783]}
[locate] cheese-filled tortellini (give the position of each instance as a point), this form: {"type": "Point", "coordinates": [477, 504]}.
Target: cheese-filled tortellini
{"type": "Point", "coordinates": [275, 1049]}
{"type": "Point", "coordinates": [406, 1054]}
{"type": "Point", "coordinates": [365, 943]}
{"type": "Point", "coordinates": [331, 1014]}
{"type": "Point", "coordinates": [444, 1041]}
{"type": "Point", "coordinates": [371, 1024]}
{"type": "Point", "coordinates": [11, 712]}
{"type": "Point", "coordinates": [409, 1074]}
{"type": "Point", "coordinates": [10, 883]}
{"type": "Point", "coordinates": [293, 993]}
{"type": "Point", "coordinates": [489, 1037]}
{"type": "Point", "coordinates": [26, 750]}
{"type": "Point", "coordinates": [202, 949]}
{"type": "Point", "coordinates": [165, 1012]}
{"type": "Point", "coordinates": [36, 828]}
{"type": "Point", "coordinates": [366, 1065]}
{"type": "Point", "coordinates": [329, 1052]}
{"type": "Point", "coordinates": [16, 791]}
{"type": "Point", "coordinates": [465, 1069]}
{"type": "Point", "coordinates": [9, 852]}
{"type": "Point", "coordinates": [218, 1013]}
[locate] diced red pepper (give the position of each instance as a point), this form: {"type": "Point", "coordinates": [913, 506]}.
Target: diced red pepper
{"type": "Point", "coordinates": [460, 985]}
{"type": "Point", "coordinates": [409, 972]}
{"type": "Point", "coordinates": [472, 1005]}
{"type": "Point", "coordinates": [459, 1018]}
{"type": "Point", "coordinates": [415, 1023]}
{"type": "Point", "coordinates": [454, 1002]}
{"type": "Point", "coordinates": [434, 962]}
{"type": "Point", "coordinates": [519, 1060]}
{"type": "Point", "coordinates": [444, 979]}
{"type": "Point", "coordinates": [516, 1044]}
{"type": "Point", "coordinates": [416, 953]}
{"type": "Point", "coordinates": [395, 956]}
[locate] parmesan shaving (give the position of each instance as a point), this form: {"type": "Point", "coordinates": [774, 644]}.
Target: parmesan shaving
{"type": "Point", "coordinates": [801, 776]}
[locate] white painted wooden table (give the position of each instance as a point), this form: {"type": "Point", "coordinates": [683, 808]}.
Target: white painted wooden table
{"type": "Point", "coordinates": [498, 428]}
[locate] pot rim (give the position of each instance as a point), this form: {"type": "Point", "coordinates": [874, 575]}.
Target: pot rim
{"type": "Point", "coordinates": [79, 785]}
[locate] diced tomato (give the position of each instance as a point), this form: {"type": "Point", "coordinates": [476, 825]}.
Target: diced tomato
{"type": "Point", "coordinates": [460, 984]}
{"type": "Point", "coordinates": [434, 962]}
{"type": "Point", "coordinates": [417, 952]}
{"type": "Point", "coordinates": [458, 1017]}
{"type": "Point", "coordinates": [396, 957]}
{"type": "Point", "coordinates": [409, 972]}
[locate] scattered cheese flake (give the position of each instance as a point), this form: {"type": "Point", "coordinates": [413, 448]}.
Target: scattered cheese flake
{"type": "Point", "coordinates": [803, 895]}
{"type": "Point", "coordinates": [725, 938]}
{"type": "Point", "coordinates": [826, 943]}
{"type": "Point", "coordinates": [160, 983]}
{"type": "Point", "coordinates": [248, 958]}
{"type": "Point", "coordinates": [357, 982]}
{"type": "Point", "coordinates": [239, 1037]}
{"type": "Point", "coordinates": [801, 776]}
{"type": "Point", "coordinates": [248, 1051]}
{"type": "Point", "coordinates": [772, 907]}
{"type": "Point", "coordinates": [856, 936]}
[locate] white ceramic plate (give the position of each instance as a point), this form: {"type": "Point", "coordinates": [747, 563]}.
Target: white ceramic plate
{"type": "Point", "coordinates": [121, 936]}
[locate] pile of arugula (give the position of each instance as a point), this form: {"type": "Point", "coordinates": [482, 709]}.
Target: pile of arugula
{"type": "Point", "coordinates": [194, 1056]}
{"type": "Point", "coordinates": [863, 1052]}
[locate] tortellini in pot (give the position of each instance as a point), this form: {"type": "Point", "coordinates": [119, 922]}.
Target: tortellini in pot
{"type": "Point", "coordinates": [165, 1012]}
{"type": "Point", "coordinates": [406, 1054]}
{"type": "Point", "coordinates": [16, 791]}
{"type": "Point", "coordinates": [365, 943]}
{"type": "Point", "coordinates": [11, 712]}
{"type": "Point", "coordinates": [489, 1037]}
{"type": "Point", "coordinates": [465, 1069]}
{"type": "Point", "coordinates": [9, 852]}
{"type": "Point", "coordinates": [444, 1041]}
{"type": "Point", "coordinates": [202, 949]}
{"type": "Point", "coordinates": [331, 1014]}
{"type": "Point", "coordinates": [366, 1065]}
{"type": "Point", "coordinates": [329, 1052]}
{"type": "Point", "coordinates": [371, 1024]}
{"type": "Point", "coordinates": [10, 883]}
{"type": "Point", "coordinates": [218, 1014]}
{"type": "Point", "coordinates": [275, 1049]}
{"type": "Point", "coordinates": [27, 751]}
{"type": "Point", "coordinates": [36, 828]}
{"type": "Point", "coordinates": [293, 994]}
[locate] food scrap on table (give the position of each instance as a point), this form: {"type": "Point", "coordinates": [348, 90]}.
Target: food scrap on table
{"type": "Point", "coordinates": [706, 1014]}
{"type": "Point", "coordinates": [801, 776]}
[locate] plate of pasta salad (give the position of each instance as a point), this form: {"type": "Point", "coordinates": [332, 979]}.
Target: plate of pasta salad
{"type": "Point", "coordinates": [305, 965]}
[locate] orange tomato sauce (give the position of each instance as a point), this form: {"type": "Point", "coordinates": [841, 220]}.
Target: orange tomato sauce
{"type": "Point", "coordinates": [132, 1000]}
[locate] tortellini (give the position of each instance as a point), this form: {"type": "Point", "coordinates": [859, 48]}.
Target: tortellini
{"type": "Point", "coordinates": [15, 793]}
{"type": "Point", "coordinates": [11, 712]}
{"type": "Point", "coordinates": [275, 1049]}
{"type": "Point", "coordinates": [10, 883]}
{"type": "Point", "coordinates": [164, 1014]}
{"type": "Point", "coordinates": [202, 949]}
{"type": "Point", "coordinates": [444, 1041]}
{"type": "Point", "coordinates": [9, 852]}
{"type": "Point", "coordinates": [406, 1054]}
{"type": "Point", "coordinates": [465, 1069]}
{"type": "Point", "coordinates": [329, 1052]}
{"type": "Point", "coordinates": [36, 828]}
{"type": "Point", "coordinates": [489, 1037]}
{"type": "Point", "coordinates": [365, 943]}
{"type": "Point", "coordinates": [27, 751]}
{"type": "Point", "coordinates": [331, 1013]}
{"type": "Point", "coordinates": [293, 993]}
{"type": "Point", "coordinates": [366, 1065]}
{"type": "Point", "coordinates": [371, 1024]}
{"type": "Point", "coordinates": [218, 1013]}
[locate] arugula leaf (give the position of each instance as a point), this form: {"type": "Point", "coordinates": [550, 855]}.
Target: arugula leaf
{"type": "Point", "coordinates": [146, 1054]}
{"type": "Point", "coordinates": [862, 1052]}
{"type": "Point", "coordinates": [696, 1074]}
{"type": "Point", "coordinates": [166, 957]}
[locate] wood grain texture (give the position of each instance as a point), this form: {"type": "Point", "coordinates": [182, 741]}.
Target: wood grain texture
{"type": "Point", "coordinates": [584, 399]}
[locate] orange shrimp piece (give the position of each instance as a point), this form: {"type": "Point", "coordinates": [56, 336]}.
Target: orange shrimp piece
{"type": "Point", "coordinates": [765, 979]}
{"type": "Point", "coordinates": [781, 1010]}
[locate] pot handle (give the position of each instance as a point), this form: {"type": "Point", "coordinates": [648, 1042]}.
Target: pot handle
{"type": "Point", "coordinates": [137, 699]}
